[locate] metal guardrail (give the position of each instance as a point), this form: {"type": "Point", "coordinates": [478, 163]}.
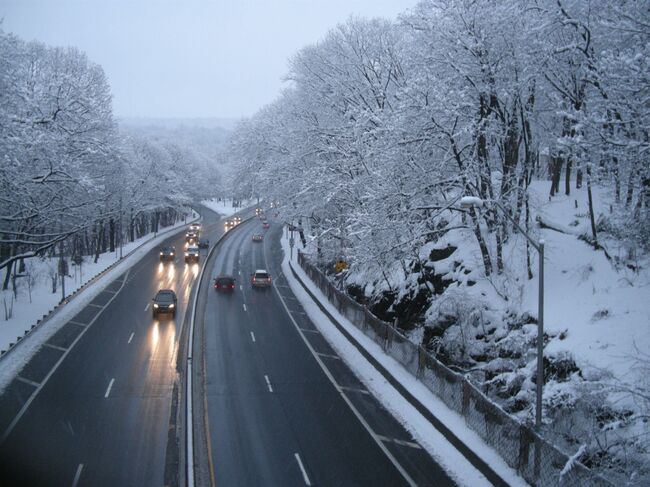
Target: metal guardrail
{"type": "Point", "coordinates": [535, 459]}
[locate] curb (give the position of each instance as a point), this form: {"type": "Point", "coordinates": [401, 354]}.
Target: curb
{"type": "Point", "coordinates": [493, 477]}
{"type": "Point", "coordinates": [57, 307]}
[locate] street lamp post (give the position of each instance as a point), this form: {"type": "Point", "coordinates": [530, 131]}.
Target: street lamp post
{"type": "Point", "coordinates": [471, 202]}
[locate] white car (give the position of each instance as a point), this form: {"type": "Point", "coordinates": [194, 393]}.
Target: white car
{"type": "Point", "coordinates": [192, 254]}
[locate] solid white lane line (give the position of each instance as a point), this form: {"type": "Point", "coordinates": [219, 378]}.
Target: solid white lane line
{"type": "Point", "coordinates": [308, 330]}
{"type": "Point", "coordinates": [411, 444]}
{"type": "Point", "coordinates": [327, 355]}
{"type": "Point", "coordinates": [147, 306]}
{"type": "Point", "coordinates": [253, 336]}
{"type": "Point", "coordinates": [131, 337]}
{"type": "Point", "coordinates": [27, 381]}
{"type": "Point", "coordinates": [55, 347]}
{"type": "Point", "coordinates": [110, 385]}
{"type": "Point", "coordinates": [244, 307]}
{"type": "Point", "coordinates": [77, 475]}
{"type": "Point", "coordinates": [268, 383]}
{"type": "Point", "coordinates": [353, 389]}
{"type": "Point", "coordinates": [302, 469]}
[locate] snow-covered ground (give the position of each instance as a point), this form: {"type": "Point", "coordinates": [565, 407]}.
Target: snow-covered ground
{"type": "Point", "coordinates": [224, 206]}
{"type": "Point", "coordinates": [419, 427]}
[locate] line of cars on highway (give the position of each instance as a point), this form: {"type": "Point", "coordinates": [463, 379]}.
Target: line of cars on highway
{"type": "Point", "coordinates": [166, 300]}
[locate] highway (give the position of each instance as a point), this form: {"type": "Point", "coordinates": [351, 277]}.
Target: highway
{"type": "Point", "coordinates": [279, 406]}
{"type": "Point", "coordinates": [274, 404]}
{"type": "Point", "coordinates": [93, 406]}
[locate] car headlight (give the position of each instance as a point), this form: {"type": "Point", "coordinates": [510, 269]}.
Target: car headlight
{"type": "Point", "coordinates": [171, 305]}
{"type": "Point", "coordinates": [161, 253]}
{"type": "Point", "coordinates": [155, 305]}
{"type": "Point", "coordinates": [172, 254]}
{"type": "Point", "coordinates": [186, 254]}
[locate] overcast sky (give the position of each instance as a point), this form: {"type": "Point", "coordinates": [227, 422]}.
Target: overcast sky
{"type": "Point", "coordinates": [188, 58]}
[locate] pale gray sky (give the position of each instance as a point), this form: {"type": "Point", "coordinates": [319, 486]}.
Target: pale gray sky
{"type": "Point", "coordinates": [188, 58]}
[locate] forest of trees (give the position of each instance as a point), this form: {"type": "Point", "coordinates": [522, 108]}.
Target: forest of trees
{"type": "Point", "coordinates": [385, 124]}
{"type": "Point", "coordinates": [71, 183]}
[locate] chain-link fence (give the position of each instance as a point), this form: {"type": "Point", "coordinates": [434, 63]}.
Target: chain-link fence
{"type": "Point", "coordinates": [536, 460]}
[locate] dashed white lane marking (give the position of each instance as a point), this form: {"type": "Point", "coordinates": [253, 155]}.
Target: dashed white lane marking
{"type": "Point", "coordinates": [77, 475]}
{"type": "Point", "coordinates": [328, 355]}
{"type": "Point", "coordinates": [27, 381]}
{"type": "Point", "coordinates": [309, 331]}
{"type": "Point", "coordinates": [147, 306]}
{"type": "Point", "coordinates": [131, 337]}
{"type": "Point", "coordinates": [110, 385]}
{"type": "Point", "coordinates": [302, 469]}
{"type": "Point", "coordinates": [96, 305]}
{"type": "Point", "coordinates": [244, 307]}
{"type": "Point", "coordinates": [411, 444]}
{"type": "Point", "coordinates": [239, 272]}
{"type": "Point", "coordinates": [268, 383]}
{"type": "Point", "coordinates": [78, 323]}
{"type": "Point", "coordinates": [253, 336]}
{"type": "Point", "coordinates": [353, 389]}
{"type": "Point", "coordinates": [241, 288]}
{"type": "Point", "coordinates": [55, 347]}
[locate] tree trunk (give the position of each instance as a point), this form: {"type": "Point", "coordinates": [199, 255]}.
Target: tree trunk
{"type": "Point", "coordinates": [567, 177]}
{"type": "Point", "coordinates": [592, 217]}
{"type": "Point", "coordinates": [487, 262]}
{"type": "Point", "coordinates": [111, 235]}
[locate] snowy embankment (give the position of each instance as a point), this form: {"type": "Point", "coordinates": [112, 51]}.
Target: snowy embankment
{"type": "Point", "coordinates": [596, 325]}
{"type": "Point", "coordinates": [21, 327]}
{"type": "Point", "coordinates": [419, 427]}
{"type": "Point", "coordinates": [224, 206]}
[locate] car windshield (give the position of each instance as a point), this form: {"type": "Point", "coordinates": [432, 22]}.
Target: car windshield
{"type": "Point", "coordinates": [261, 275]}
{"type": "Point", "coordinates": [165, 297]}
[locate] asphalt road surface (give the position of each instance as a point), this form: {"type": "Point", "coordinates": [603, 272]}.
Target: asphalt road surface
{"type": "Point", "coordinates": [92, 407]}
{"type": "Point", "coordinates": [282, 408]}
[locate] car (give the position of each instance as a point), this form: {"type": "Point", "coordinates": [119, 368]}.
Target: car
{"type": "Point", "coordinates": [258, 237]}
{"type": "Point", "coordinates": [266, 225]}
{"type": "Point", "coordinates": [195, 227]}
{"type": "Point", "coordinates": [237, 220]}
{"type": "Point", "coordinates": [191, 237]}
{"type": "Point", "coordinates": [258, 211]}
{"type": "Point", "coordinates": [229, 224]}
{"type": "Point", "coordinates": [204, 243]}
{"type": "Point", "coordinates": [192, 254]}
{"type": "Point", "coordinates": [261, 278]}
{"type": "Point", "coordinates": [224, 283]}
{"type": "Point", "coordinates": [164, 302]}
{"type": "Point", "coordinates": [167, 253]}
